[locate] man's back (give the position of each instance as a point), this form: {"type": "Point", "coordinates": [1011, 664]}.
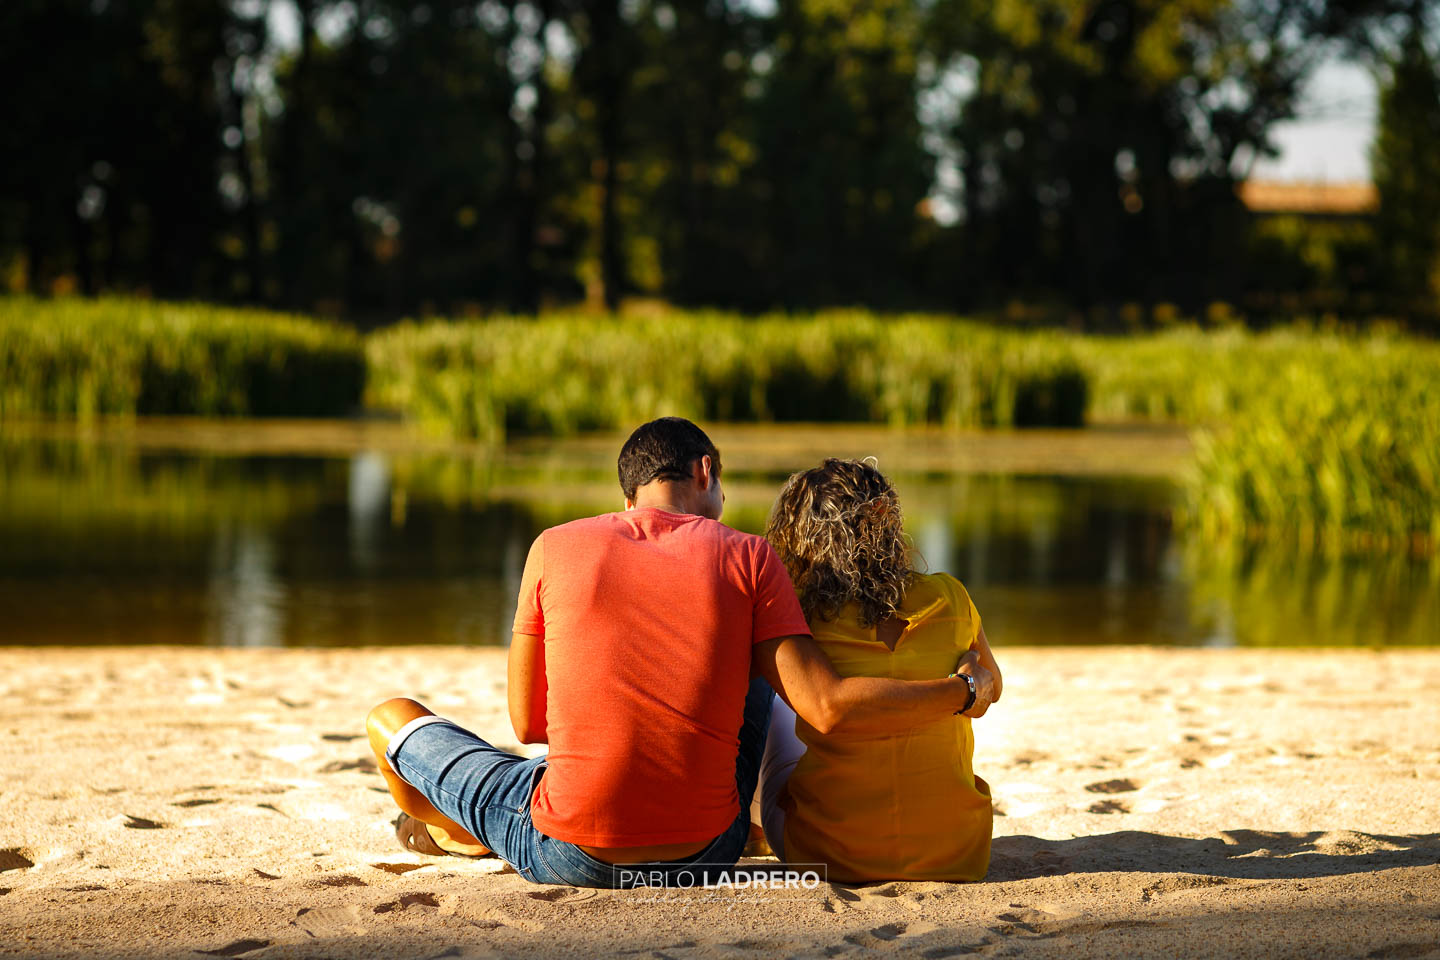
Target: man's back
{"type": "Point", "coordinates": [648, 618]}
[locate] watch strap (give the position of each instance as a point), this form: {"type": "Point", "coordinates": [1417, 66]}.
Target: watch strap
{"type": "Point", "coordinates": [974, 692]}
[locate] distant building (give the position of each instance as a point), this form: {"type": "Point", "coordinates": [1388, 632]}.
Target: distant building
{"type": "Point", "coordinates": [1309, 198]}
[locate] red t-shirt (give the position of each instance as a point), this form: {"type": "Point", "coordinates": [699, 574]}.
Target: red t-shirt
{"type": "Point", "coordinates": [648, 618]}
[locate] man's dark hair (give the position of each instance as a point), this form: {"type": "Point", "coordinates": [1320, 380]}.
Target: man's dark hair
{"type": "Point", "coordinates": [663, 449]}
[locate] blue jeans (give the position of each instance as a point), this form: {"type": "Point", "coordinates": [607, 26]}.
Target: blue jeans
{"type": "Point", "coordinates": [488, 792]}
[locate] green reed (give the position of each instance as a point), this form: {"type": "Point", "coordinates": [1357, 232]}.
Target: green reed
{"type": "Point", "coordinates": [84, 358]}
{"type": "Point", "coordinates": [564, 374]}
{"type": "Point", "coordinates": [1325, 440]}
{"type": "Point", "coordinates": [1343, 455]}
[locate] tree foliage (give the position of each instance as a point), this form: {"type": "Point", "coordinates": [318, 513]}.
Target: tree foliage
{"type": "Point", "coordinates": [382, 157]}
{"type": "Point", "coordinates": [1406, 163]}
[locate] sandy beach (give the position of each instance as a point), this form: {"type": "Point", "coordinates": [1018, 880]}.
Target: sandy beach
{"type": "Point", "coordinates": [168, 802]}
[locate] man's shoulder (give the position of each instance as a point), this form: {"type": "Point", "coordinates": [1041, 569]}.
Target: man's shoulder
{"type": "Point", "coordinates": [731, 535]}
{"type": "Point", "coordinates": [583, 523]}
{"type": "Point", "coordinates": [627, 525]}
{"type": "Point", "coordinates": [582, 526]}
{"type": "Point", "coordinates": [728, 540]}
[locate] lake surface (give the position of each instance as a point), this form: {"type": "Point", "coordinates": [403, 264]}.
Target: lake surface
{"type": "Point", "coordinates": [300, 541]}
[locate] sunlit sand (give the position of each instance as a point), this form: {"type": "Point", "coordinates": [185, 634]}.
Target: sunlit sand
{"type": "Point", "coordinates": [160, 801]}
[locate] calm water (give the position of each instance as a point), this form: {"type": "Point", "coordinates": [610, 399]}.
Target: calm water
{"type": "Point", "coordinates": [105, 543]}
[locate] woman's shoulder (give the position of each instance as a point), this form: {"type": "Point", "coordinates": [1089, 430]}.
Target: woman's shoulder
{"type": "Point", "coordinates": [935, 597]}
{"type": "Point", "coordinates": [927, 588]}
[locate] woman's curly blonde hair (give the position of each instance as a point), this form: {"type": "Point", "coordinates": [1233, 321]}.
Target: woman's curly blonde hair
{"type": "Point", "coordinates": [839, 531]}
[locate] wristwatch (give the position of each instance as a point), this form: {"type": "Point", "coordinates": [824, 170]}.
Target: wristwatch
{"type": "Point", "coordinates": [969, 682]}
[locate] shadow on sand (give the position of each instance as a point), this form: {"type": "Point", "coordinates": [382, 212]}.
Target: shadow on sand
{"type": "Point", "coordinates": [1234, 854]}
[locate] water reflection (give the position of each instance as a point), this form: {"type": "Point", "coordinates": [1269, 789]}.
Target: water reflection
{"type": "Point", "coordinates": [369, 501]}
{"type": "Point", "coordinates": [247, 599]}
{"type": "Point", "coordinates": [107, 544]}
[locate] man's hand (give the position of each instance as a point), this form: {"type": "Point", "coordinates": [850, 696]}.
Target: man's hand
{"type": "Point", "coordinates": [987, 684]}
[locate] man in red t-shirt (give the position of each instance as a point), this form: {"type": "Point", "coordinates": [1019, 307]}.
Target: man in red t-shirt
{"type": "Point", "coordinates": [636, 639]}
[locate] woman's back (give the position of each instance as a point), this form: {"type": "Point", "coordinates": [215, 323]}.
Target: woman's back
{"type": "Point", "coordinates": [903, 806]}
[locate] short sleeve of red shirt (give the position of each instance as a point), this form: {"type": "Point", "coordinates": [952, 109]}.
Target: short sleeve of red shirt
{"type": "Point", "coordinates": [777, 611]}
{"type": "Point", "coordinates": [529, 616]}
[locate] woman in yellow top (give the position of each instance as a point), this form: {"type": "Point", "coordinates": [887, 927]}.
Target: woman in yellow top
{"type": "Point", "coordinates": [901, 806]}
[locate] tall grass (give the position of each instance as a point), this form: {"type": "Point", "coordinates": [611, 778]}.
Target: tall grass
{"type": "Point", "coordinates": [1342, 454]}
{"type": "Point", "coordinates": [564, 374]}
{"type": "Point", "coordinates": [82, 358]}
{"type": "Point", "coordinates": [1328, 441]}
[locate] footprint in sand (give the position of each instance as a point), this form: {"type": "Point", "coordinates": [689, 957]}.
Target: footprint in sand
{"type": "Point", "coordinates": [1026, 759]}
{"type": "Point", "coordinates": [400, 869]}
{"type": "Point", "coordinates": [411, 901]}
{"type": "Point", "coordinates": [889, 933]}
{"type": "Point", "coordinates": [1109, 806]}
{"type": "Point", "coordinates": [768, 946]}
{"type": "Point", "coordinates": [1012, 924]}
{"type": "Point", "coordinates": [194, 803]}
{"type": "Point", "coordinates": [1112, 786]}
{"type": "Point", "coordinates": [486, 917]}
{"type": "Point", "coordinates": [561, 895]}
{"type": "Point", "coordinates": [1175, 884]}
{"type": "Point", "coordinates": [340, 737]}
{"type": "Point", "coordinates": [341, 880]}
{"type": "Point", "coordinates": [985, 945]}
{"type": "Point", "coordinates": [327, 923]}
{"type": "Point", "coordinates": [862, 897]}
{"type": "Point", "coordinates": [1020, 913]}
{"type": "Point", "coordinates": [14, 859]}
{"type": "Point", "coordinates": [364, 764]}
{"type": "Point", "coordinates": [141, 823]}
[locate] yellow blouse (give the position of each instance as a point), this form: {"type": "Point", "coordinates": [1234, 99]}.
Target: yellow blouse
{"type": "Point", "coordinates": [905, 806]}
